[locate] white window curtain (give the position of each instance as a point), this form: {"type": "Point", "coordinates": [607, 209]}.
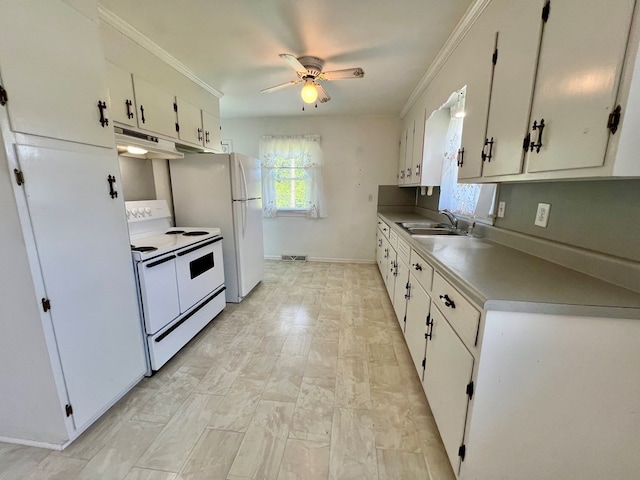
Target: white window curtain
{"type": "Point", "coordinates": [303, 151]}
{"type": "Point", "coordinates": [466, 199]}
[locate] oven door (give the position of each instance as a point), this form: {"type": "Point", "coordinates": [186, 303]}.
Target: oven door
{"type": "Point", "coordinates": [158, 292]}
{"type": "Point", "coordinates": [199, 271]}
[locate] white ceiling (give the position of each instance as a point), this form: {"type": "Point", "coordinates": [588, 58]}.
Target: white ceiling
{"type": "Point", "coordinates": [233, 46]}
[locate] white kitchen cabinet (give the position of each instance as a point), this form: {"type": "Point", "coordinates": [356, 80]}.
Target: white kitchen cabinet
{"type": "Point", "coordinates": [380, 252]}
{"type": "Point", "coordinates": [401, 157]}
{"type": "Point", "coordinates": [156, 108]}
{"type": "Point", "coordinates": [389, 277]}
{"type": "Point", "coordinates": [418, 306]}
{"type": "Point", "coordinates": [53, 72]}
{"type": "Point", "coordinates": [83, 250]}
{"type": "Point", "coordinates": [518, 27]}
{"type": "Point", "coordinates": [414, 162]}
{"type": "Point", "coordinates": [401, 274]}
{"type": "Point", "coordinates": [579, 68]}
{"type": "Point", "coordinates": [408, 154]}
{"type": "Point", "coordinates": [212, 136]}
{"type": "Point", "coordinates": [448, 371]}
{"type": "Point", "coordinates": [75, 319]}
{"type": "Point", "coordinates": [122, 105]}
{"type": "Point", "coordinates": [435, 134]}
{"type": "Point", "coordinates": [190, 123]}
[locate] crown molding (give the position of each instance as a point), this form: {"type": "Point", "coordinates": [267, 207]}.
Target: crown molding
{"type": "Point", "coordinates": [461, 29]}
{"type": "Point", "coordinates": [145, 42]}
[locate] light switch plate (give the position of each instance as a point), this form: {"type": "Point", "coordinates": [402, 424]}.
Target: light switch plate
{"type": "Point", "coordinates": [501, 207]}
{"type": "Point", "coordinates": [542, 216]}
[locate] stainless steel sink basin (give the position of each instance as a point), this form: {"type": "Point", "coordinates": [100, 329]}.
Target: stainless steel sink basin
{"type": "Point", "coordinates": [414, 232]}
{"type": "Point", "coordinates": [407, 225]}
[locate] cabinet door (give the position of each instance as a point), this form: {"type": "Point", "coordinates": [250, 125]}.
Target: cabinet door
{"type": "Point", "coordinates": [155, 108]}
{"type": "Point", "coordinates": [518, 26]}
{"type": "Point", "coordinates": [476, 53]}
{"type": "Point", "coordinates": [418, 147]}
{"type": "Point", "coordinates": [435, 134]}
{"type": "Point", "coordinates": [449, 367]}
{"type": "Point", "coordinates": [579, 68]}
{"type": "Point", "coordinates": [122, 105]}
{"type": "Point", "coordinates": [59, 98]}
{"type": "Point", "coordinates": [408, 154]}
{"type": "Point", "coordinates": [390, 279]}
{"type": "Point", "coordinates": [83, 248]}
{"type": "Point", "coordinates": [400, 290]}
{"type": "Point", "coordinates": [403, 149]}
{"type": "Point", "coordinates": [380, 252]}
{"type": "Point", "coordinates": [212, 137]}
{"type": "Point", "coordinates": [418, 307]}
{"type": "Point", "coordinates": [190, 123]}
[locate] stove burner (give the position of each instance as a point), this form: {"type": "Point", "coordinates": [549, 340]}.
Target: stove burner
{"type": "Point", "coordinates": [142, 249]}
{"type": "Point", "coordinates": [175, 232]}
{"type": "Point", "coordinates": [196, 233]}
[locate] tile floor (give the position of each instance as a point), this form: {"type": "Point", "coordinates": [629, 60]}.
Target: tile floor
{"type": "Point", "coordinates": [308, 378]}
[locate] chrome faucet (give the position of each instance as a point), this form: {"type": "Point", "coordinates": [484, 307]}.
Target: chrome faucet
{"type": "Point", "coordinates": [452, 218]}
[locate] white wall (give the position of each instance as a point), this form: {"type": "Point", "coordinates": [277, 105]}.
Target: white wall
{"type": "Point", "coordinates": [359, 153]}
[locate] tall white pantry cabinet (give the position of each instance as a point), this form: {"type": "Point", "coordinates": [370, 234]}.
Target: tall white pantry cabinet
{"type": "Point", "coordinates": [70, 337]}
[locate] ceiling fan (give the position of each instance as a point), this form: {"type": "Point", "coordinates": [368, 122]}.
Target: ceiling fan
{"type": "Point", "coordinates": [309, 70]}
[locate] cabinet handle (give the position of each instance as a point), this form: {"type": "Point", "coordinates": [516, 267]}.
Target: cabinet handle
{"type": "Point", "coordinates": [417, 266]}
{"type": "Point", "coordinates": [540, 127]}
{"type": "Point", "coordinates": [417, 170]}
{"type": "Point", "coordinates": [379, 242]}
{"type": "Point", "coordinates": [102, 106]}
{"type": "Point", "coordinates": [142, 114]}
{"type": "Point", "coordinates": [408, 172]}
{"type": "Point", "coordinates": [199, 134]}
{"type": "Point", "coordinates": [460, 161]}
{"type": "Point", "coordinates": [112, 181]}
{"type": "Point", "coordinates": [428, 335]}
{"type": "Point", "coordinates": [129, 103]}
{"type": "Point", "coordinates": [447, 301]}
{"type": "Point", "coordinates": [402, 174]}
{"type": "Point", "coordinates": [408, 288]}
{"type": "Point", "coordinates": [526, 142]}
{"type": "Point", "coordinates": [486, 157]}
{"type": "Point", "coordinates": [206, 137]}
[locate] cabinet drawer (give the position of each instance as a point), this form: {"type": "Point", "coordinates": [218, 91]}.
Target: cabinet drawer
{"type": "Point", "coordinates": [460, 313]}
{"type": "Point", "coordinates": [404, 251]}
{"type": "Point", "coordinates": [423, 272]}
{"type": "Point", "coordinates": [393, 239]}
{"type": "Point", "coordinates": [384, 228]}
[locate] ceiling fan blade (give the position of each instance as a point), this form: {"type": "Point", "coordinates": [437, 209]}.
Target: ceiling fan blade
{"type": "Point", "coordinates": [342, 74]}
{"type": "Point", "coordinates": [293, 62]}
{"type": "Point", "coordinates": [278, 87]}
{"type": "Point", "coordinates": [323, 96]}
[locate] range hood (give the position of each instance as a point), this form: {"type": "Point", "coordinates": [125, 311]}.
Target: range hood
{"type": "Point", "coordinates": [132, 144]}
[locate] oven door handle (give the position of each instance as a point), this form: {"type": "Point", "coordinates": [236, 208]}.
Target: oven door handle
{"type": "Point", "coordinates": [198, 247]}
{"type": "Point", "coordinates": [160, 262]}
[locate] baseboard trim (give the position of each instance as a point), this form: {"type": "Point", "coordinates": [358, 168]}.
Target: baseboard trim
{"type": "Point", "coordinates": [32, 443]}
{"type": "Point", "coordinates": [325, 260]}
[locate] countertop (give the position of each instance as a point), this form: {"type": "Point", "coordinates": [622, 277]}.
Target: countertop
{"type": "Point", "coordinates": [497, 277]}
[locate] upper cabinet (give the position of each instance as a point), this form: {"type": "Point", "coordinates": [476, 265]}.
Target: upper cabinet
{"type": "Point", "coordinates": [212, 136]}
{"type": "Point", "coordinates": [556, 79]}
{"type": "Point", "coordinates": [122, 103]}
{"type": "Point", "coordinates": [156, 108]}
{"type": "Point", "coordinates": [65, 44]}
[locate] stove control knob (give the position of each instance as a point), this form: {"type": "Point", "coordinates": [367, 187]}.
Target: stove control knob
{"type": "Point", "coordinates": [128, 213]}
{"type": "Point", "coordinates": [148, 211]}
{"type": "Point", "coordinates": [134, 211]}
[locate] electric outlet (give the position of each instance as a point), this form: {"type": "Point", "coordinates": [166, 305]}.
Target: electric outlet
{"type": "Point", "coordinates": [542, 216]}
{"type": "Point", "coordinates": [501, 207]}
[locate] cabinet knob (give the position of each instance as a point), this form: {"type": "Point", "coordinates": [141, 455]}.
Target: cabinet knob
{"type": "Point", "coordinates": [417, 266]}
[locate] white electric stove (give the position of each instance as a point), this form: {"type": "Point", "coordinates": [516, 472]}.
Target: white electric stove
{"type": "Point", "coordinates": [180, 278]}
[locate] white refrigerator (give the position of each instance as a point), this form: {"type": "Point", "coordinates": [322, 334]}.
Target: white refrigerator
{"type": "Point", "coordinates": [224, 191]}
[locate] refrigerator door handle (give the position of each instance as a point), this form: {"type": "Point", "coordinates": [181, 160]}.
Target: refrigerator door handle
{"type": "Point", "coordinates": [245, 192]}
{"type": "Point", "coordinates": [244, 218]}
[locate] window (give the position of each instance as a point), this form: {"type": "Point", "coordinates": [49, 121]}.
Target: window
{"type": "Point", "coordinates": [469, 200]}
{"type": "Point", "coordinates": [292, 175]}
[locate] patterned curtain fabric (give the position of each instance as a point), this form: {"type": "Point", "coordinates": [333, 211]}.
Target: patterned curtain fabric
{"type": "Point", "coordinates": [462, 198]}
{"type": "Point", "coordinates": [305, 149]}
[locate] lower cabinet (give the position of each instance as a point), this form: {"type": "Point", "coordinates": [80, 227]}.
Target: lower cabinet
{"type": "Point", "coordinates": [418, 306]}
{"type": "Point", "coordinates": [401, 275]}
{"type": "Point", "coordinates": [448, 370]}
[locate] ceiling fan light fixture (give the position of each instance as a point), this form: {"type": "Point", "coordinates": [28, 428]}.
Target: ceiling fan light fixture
{"type": "Point", "coordinates": [309, 93]}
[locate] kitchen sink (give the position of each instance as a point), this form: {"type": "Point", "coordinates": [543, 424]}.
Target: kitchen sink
{"type": "Point", "coordinates": [426, 229]}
